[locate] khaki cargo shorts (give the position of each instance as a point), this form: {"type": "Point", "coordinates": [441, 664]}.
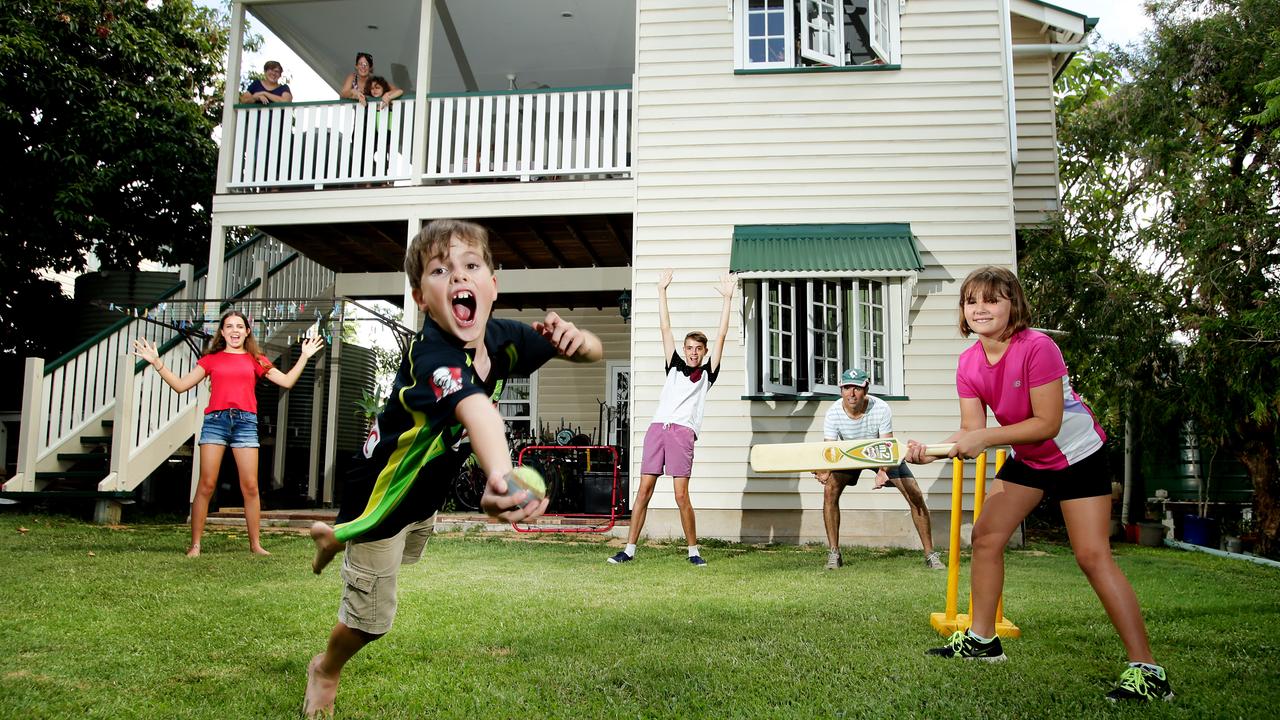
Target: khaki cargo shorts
{"type": "Point", "coordinates": [369, 571]}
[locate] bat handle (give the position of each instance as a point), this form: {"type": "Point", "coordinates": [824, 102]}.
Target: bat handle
{"type": "Point", "coordinates": [940, 450]}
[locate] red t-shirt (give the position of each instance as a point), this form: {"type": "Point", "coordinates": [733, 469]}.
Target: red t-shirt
{"type": "Point", "coordinates": [231, 380]}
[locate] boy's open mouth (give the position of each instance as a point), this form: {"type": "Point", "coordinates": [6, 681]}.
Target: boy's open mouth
{"type": "Point", "coordinates": [464, 307]}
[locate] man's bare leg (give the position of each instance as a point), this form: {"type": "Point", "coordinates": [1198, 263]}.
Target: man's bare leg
{"type": "Point", "coordinates": [325, 669]}
{"type": "Point", "coordinates": [910, 490]}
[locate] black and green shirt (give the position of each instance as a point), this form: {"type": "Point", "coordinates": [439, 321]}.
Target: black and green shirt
{"type": "Point", "coordinates": [412, 453]}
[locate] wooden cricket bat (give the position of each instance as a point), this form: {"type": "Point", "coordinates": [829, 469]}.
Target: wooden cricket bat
{"type": "Point", "coordinates": [835, 455]}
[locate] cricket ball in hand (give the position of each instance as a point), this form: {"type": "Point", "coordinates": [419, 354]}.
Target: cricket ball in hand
{"type": "Point", "coordinates": [524, 478]}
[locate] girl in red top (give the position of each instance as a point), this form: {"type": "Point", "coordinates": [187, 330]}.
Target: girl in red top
{"type": "Point", "coordinates": [233, 364]}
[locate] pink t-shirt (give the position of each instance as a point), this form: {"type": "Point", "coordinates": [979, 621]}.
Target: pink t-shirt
{"type": "Point", "coordinates": [1031, 360]}
{"type": "Point", "coordinates": [231, 380]}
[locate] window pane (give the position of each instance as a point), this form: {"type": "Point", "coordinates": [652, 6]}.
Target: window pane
{"type": "Point", "coordinates": [756, 4]}
{"type": "Point", "coordinates": [777, 50]}
{"type": "Point", "coordinates": [776, 20]}
{"type": "Point", "coordinates": [755, 51]}
{"type": "Point", "coordinates": [755, 25]}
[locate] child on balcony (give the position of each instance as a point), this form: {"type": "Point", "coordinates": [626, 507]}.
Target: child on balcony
{"type": "Point", "coordinates": [446, 389]}
{"type": "Point", "coordinates": [233, 363]}
{"type": "Point", "coordinates": [384, 92]}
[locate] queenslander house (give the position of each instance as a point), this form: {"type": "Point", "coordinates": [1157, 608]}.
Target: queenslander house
{"type": "Point", "coordinates": [850, 160]}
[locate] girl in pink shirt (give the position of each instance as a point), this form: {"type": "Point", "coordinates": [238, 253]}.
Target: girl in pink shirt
{"type": "Point", "coordinates": [1020, 376]}
{"type": "Point", "coordinates": [233, 363]}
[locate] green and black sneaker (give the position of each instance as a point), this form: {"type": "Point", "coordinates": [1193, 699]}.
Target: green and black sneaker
{"type": "Point", "coordinates": [965, 646]}
{"type": "Point", "coordinates": [1142, 682]}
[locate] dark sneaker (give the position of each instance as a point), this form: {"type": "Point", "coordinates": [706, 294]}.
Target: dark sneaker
{"type": "Point", "coordinates": [933, 562]}
{"type": "Point", "coordinates": [621, 557]}
{"type": "Point", "coordinates": [834, 559]}
{"type": "Point", "coordinates": [1140, 683]}
{"type": "Point", "coordinates": [966, 647]}
{"type": "Point", "coordinates": [697, 561]}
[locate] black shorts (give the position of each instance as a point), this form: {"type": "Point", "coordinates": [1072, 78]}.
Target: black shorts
{"type": "Point", "coordinates": [1087, 478]}
{"type": "Point", "coordinates": [850, 477]}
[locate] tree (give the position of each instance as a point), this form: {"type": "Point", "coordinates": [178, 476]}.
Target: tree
{"type": "Point", "coordinates": [1167, 257]}
{"type": "Point", "coordinates": [107, 111]}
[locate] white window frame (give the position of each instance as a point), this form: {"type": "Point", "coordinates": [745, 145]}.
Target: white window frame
{"type": "Point", "coordinates": [819, 331]}
{"type": "Point", "coordinates": [853, 350]}
{"type": "Point", "coordinates": [786, 345]}
{"type": "Point", "coordinates": [884, 30]}
{"type": "Point", "coordinates": [822, 37]}
{"type": "Point", "coordinates": [530, 404]}
{"type": "Point", "coordinates": [742, 25]}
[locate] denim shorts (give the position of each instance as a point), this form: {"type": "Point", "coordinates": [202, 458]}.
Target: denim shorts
{"type": "Point", "coordinates": [236, 428]}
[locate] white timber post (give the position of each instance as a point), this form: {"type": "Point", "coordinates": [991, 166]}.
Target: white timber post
{"type": "Point", "coordinates": [331, 415]}
{"type": "Point", "coordinates": [282, 436]}
{"type": "Point", "coordinates": [260, 274]}
{"type": "Point", "coordinates": [24, 479]}
{"type": "Point", "coordinates": [411, 319]}
{"type": "Point", "coordinates": [214, 277]}
{"type": "Point", "coordinates": [313, 457]}
{"type": "Point", "coordinates": [422, 86]}
{"type": "Point", "coordinates": [124, 417]}
{"type": "Point", "coordinates": [230, 96]}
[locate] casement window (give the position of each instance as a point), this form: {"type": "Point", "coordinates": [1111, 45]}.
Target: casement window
{"type": "Point", "coordinates": [819, 299]}
{"type": "Point", "coordinates": [771, 34]}
{"type": "Point", "coordinates": [803, 332]}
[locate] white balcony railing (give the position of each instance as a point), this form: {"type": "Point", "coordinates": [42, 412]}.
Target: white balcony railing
{"type": "Point", "coordinates": [526, 135]}
{"type": "Point", "coordinates": [520, 135]}
{"type": "Point", "coordinates": [318, 144]}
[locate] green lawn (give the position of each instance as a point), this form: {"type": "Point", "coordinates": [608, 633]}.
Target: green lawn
{"type": "Point", "coordinates": [100, 622]}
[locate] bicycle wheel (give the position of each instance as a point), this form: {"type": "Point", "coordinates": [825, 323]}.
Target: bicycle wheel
{"type": "Point", "coordinates": [468, 487]}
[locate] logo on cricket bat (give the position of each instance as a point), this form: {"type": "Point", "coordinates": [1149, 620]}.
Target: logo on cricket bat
{"type": "Point", "coordinates": [877, 451]}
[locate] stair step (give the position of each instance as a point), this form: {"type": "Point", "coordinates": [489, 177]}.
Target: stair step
{"type": "Point", "coordinates": [94, 439]}
{"type": "Point", "coordinates": [71, 475]}
{"type": "Point", "coordinates": [68, 495]}
{"type": "Point", "coordinates": [83, 456]}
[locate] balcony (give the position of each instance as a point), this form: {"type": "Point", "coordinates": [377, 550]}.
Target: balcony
{"type": "Point", "coordinates": [574, 133]}
{"type": "Point", "coordinates": [542, 94]}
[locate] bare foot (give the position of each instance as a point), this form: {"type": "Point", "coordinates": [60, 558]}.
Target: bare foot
{"type": "Point", "coordinates": [321, 692]}
{"type": "Point", "coordinates": [259, 551]}
{"type": "Point", "coordinates": [194, 551]}
{"type": "Point", "coordinates": [327, 546]}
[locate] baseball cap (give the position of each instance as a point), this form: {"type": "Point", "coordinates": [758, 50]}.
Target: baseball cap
{"type": "Point", "coordinates": [855, 376]}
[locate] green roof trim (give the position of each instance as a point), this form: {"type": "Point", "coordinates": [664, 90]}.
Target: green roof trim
{"type": "Point", "coordinates": [879, 247]}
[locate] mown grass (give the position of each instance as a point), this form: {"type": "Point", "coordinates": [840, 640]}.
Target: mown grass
{"type": "Point", "coordinates": [115, 622]}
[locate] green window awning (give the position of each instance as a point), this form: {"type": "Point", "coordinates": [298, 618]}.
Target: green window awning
{"type": "Point", "coordinates": [880, 247]}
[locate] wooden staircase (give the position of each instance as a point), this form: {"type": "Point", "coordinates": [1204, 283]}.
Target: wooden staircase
{"type": "Point", "coordinates": [77, 442]}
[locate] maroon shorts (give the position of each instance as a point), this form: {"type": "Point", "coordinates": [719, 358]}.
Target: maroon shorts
{"type": "Point", "coordinates": [668, 450]}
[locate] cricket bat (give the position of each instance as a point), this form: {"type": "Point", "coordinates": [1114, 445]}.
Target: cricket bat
{"type": "Point", "coordinates": [835, 455]}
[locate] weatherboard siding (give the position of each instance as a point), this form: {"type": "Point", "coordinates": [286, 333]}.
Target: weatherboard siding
{"type": "Point", "coordinates": [927, 144]}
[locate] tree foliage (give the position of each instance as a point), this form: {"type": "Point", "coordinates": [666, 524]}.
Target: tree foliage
{"type": "Point", "coordinates": [107, 112]}
{"type": "Point", "coordinates": [1166, 260]}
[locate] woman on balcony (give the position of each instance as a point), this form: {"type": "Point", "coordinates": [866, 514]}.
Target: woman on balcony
{"type": "Point", "coordinates": [356, 85]}
{"type": "Point", "coordinates": [233, 364]}
{"type": "Point", "coordinates": [269, 89]}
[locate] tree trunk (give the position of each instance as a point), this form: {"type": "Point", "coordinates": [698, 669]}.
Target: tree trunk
{"type": "Point", "coordinates": [1257, 451]}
